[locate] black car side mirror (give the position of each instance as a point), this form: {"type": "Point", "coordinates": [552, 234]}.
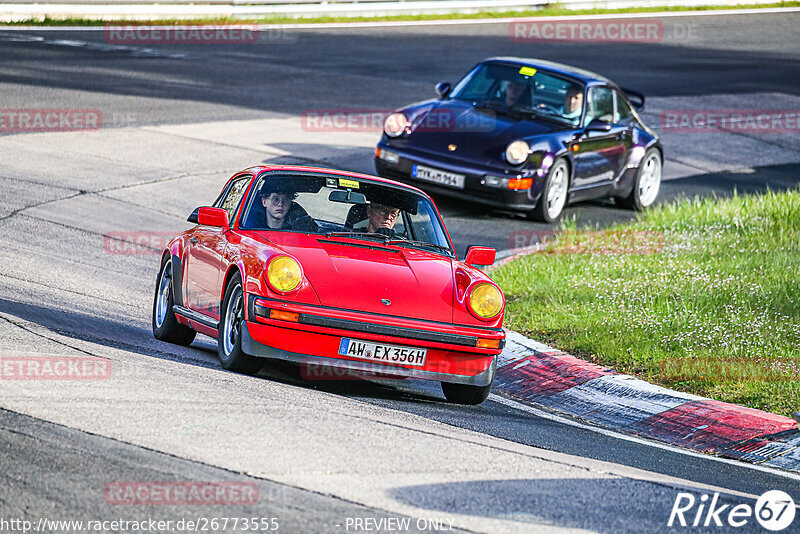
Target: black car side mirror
{"type": "Point", "coordinates": [193, 217]}
{"type": "Point", "coordinates": [596, 125]}
{"type": "Point", "coordinates": [443, 89]}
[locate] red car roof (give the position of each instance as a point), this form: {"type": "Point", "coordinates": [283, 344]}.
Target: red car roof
{"type": "Point", "coordinates": [261, 168]}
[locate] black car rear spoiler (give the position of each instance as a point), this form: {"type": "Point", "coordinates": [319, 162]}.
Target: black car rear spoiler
{"type": "Point", "coordinates": [636, 98]}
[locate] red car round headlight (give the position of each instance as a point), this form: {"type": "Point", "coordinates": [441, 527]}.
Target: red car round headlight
{"type": "Point", "coordinates": [485, 300]}
{"type": "Point", "coordinates": [284, 274]}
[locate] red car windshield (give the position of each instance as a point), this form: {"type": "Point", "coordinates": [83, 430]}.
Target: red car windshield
{"type": "Point", "coordinates": [328, 204]}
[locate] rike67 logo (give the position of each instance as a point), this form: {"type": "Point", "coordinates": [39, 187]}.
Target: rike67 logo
{"type": "Point", "coordinates": [774, 510]}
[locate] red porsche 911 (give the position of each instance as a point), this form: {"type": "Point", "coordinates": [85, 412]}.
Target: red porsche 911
{"type": "Point", "coordinates": [336, 269]}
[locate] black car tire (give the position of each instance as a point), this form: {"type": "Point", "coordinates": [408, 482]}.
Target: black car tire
{"type": "Point", "coordinates": [465, 394]}
{"type": "Point", "coordinates": [557, 177]}
{"type": "Point", "coordinates": [165, 325]}
{"type": "Point", "coordinates": [229, 339]}
{"type": "Point", "coordinates": [642, 196]}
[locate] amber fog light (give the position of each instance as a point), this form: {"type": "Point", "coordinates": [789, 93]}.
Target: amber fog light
{"type": "Point", "coordinates": [488, 343]}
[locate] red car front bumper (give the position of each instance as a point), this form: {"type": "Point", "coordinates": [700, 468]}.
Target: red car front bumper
{"type": "Point", "coordinates": [453, 354]}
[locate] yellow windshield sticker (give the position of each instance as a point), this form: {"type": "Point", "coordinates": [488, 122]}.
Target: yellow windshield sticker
{"type": "Point", "coordinates": [348, 183]}
{"type": "Point", "coordinates": [527, 71]}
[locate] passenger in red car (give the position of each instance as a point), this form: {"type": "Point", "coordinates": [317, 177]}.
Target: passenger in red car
{"type": "Point", "coordinates": [281, 212]}
{"type": "Point", "coordinates": [277, 205]}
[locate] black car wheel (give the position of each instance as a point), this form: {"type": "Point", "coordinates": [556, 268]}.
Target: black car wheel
{"type": "Point", "coordinates": [554, 194]}
{"type": "Point", "coordinates": [165, 326]}
{"type": "Point", "coordinates": [648, 182]}
{"type": "Point", "coordinates": [229, 339]}
{"type": "Point", "coordinates": [465, 394]}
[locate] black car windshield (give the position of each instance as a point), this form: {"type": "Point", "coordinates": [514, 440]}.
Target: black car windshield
{"type": "Point", "coordinates": [344, 207]}
{"type": "Point", "coordinates": [523, 89]}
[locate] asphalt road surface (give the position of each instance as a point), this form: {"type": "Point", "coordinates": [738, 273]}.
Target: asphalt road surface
{"type": "Point", "coordinates": [325, 457]}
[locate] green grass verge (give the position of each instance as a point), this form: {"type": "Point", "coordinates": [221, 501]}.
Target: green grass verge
{"type": "Point", "coordinates": [544, 12]}
{"type": "Point", "coordinates": [702, 296]}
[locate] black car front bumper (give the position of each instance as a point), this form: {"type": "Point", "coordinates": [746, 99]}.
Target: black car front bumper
{"type": "Point", "coordinates": [475, 188]}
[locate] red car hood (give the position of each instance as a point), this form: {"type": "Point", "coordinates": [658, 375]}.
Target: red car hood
{"type": "Point", "coordinates": [417, 284]}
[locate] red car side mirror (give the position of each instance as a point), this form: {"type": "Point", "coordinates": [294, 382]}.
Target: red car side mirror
{"type": "Point", "coordinates": [480, 255]}
{"type": "Point", "coordinates": [208, 216]}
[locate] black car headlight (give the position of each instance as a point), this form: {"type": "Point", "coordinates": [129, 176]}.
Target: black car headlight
{"type": "Point", "coordinates": [395, 124]}
{"type": "Point", "coordinates": [517, 152]}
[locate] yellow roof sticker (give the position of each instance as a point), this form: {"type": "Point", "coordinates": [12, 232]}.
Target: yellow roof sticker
{"type": "Point", "coordinates": [348, 183]}
{"type": "Point", "coordinates": [527, 71]}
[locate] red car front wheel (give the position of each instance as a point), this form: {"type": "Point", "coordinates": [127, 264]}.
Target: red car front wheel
{"type": "Point", "coordinates": [229, 339]}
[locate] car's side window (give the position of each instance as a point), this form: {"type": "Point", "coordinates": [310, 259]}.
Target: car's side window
{"type": "Point", "coordinates": [601, 105]}
{"type": "Point", "coordinates": [480, 84]}
{"type": "Point", "coordinates": [623, 109]}
{"type": "Point", "coordinates": [234, 195]}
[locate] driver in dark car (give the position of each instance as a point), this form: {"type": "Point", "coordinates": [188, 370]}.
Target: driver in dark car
{"type": "Point", "coordinates": [573, 102]}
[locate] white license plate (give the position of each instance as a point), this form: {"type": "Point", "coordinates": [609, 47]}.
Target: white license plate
{"type": "Point", "coordinates": [378, 352]}
{"type": "Point", "coordinates": [440, 177]}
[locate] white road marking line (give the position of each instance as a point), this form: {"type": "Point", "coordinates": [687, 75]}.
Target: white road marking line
{"type": "Point", "coordinates": [449, 22]}
{"type": "Point", "coordinates": [135, 51]}
{"type": "Point", "coordinates": [553, 417]}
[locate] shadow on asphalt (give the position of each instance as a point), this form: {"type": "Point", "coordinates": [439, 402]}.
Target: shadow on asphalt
{"type": "Point", "coordinates": [202, 352]}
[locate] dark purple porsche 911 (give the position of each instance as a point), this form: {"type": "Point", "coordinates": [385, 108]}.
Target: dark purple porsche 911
{"type": "Point", "coordinates": [526, 135]}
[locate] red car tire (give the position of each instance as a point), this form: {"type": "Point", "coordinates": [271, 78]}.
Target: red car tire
{"type": "Point", "coordinates": [229, 340]}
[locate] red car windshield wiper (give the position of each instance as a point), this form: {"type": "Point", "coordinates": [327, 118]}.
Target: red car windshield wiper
{"type": "Point", "coordinates": [411, 242]}
{"type": "Point", "coordinates": [359, 235]}
{"type": "Point", "coordinates": [387, 240]}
